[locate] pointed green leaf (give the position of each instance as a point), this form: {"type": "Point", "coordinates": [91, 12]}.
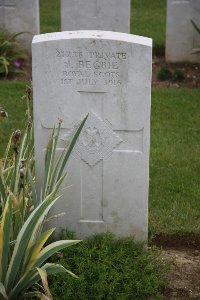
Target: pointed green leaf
{"type": "Point", "coordinates": [3, 291]}
{"type": "Point", "coordinates": [23, 238]}
{"type": "Point", "coordinates": [49, 250]}
{"type": "Point", "coordinates": [43, 276]}
{"type": "Point", "coordinates": [33, 189]}
{"type": "Point", "coordinates": [69, 148]}
{"type": "Point", "coordinates": [5, 230]}
{"type": "Point", "coordinates": [34, 251]}
{"type": "Point", "coordinates": [33, 277]}
{"type": "Point", "coordinates": [7, 151]}
{"type": "Point", "coordinates": [195, 26]}
{"type": "Point", "coordinates": [2, 189]}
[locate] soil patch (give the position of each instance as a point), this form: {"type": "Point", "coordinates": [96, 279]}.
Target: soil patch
{"type": "Point", "coordinates": [177, 241]}
{"type": "Point", "coordinates": [184, 276]}
{"type": "Point", "coordinates": [191, 73]}
{"type": "Point", "coordinates": [183, 251]}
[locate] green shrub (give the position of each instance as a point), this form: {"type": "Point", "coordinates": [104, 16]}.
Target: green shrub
{"type": "Point", "coordinates": [164, 74]}
{"type": "Point", "coordinates": [179, 75]}
{"type": "Point", "coordinates": [11, 55]}
{"type": "Point", "coordinates": [109, 269]}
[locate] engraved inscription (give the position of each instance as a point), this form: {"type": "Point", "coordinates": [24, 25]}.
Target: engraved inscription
{"type": "Point", "coordinates": [92, 68]}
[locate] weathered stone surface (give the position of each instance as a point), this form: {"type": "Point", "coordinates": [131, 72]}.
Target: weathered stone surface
{"type": "Point", "coordinates": [181, 37]}
{"type": "Point", "coordinates": [20, 16]}
{"type": "Point", "coordinates": [112, 15]}
{"type": "Point", "coordinates": [109, 75]}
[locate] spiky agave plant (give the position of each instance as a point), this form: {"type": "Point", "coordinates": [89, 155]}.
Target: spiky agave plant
{"type": "Point", "coordinates": [22, 250]}
{"type": "Point", "coordinates": [21, 264]}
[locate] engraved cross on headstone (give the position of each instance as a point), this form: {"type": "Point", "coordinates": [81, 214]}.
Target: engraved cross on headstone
{"type": "Point", "coordinates": [107, 74]}
{"type": "Point", "coordinates": [96, 143]}
{"type": "Point", "coordinates": [5, 4]}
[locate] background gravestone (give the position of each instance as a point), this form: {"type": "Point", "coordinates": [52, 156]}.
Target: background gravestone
{"type": "Point", "coordinates": [181, 37]}
{"type": "Point", "coordinates": [109, 75]}
{"type": "Point", "coordinates": [112, 15]}
{"type": "Point", "coordinates": [20, 16]}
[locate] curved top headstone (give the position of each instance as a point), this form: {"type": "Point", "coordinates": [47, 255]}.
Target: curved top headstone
{"type": "Point", "coordinates": [20, 16]}
{"type": "Point", "coordinates": [93, 34]}
{"type": "Point", "coordinates": [108, 75]}
{"type": "Point", "coordinates": [182, 40]}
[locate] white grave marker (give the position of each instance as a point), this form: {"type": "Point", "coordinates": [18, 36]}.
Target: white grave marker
{"type": "Point", "coordinates": [112, 15]}
{"type": "Point", "coordinates": [109, 75]}
{"type": "Point", "coordinates": [181, 37]}
{"type": "Point", "coordinates": [20, 16]}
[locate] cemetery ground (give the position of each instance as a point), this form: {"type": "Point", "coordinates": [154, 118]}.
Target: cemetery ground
{"type": "Point", "coordinates": [174, 177]}
{"type": "Point", "coordinates": [174, 206]}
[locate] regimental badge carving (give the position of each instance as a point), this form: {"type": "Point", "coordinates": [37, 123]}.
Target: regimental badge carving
{"type": "Point", "coordinates": [96, 141]}
{"type": "Point", "coordinates": [92, 139]}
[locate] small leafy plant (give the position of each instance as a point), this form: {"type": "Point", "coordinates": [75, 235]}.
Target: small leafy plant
{"type": "Point", "coordinates": [164, 74]}
{"type": "Point", "coordinates": [178, 75]}
{"type": "Point", "coordinates": [11, 55]}
{"type": "Point", "coordinates": [109, 268]}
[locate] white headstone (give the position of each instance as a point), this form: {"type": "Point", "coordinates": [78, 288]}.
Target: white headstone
{"type": "Point", "coordinates": [181, 37]}
{"type": "Point", "coordinates": [20, 16]}
{"type": "Point", "coordinates": [111, 15]}
{"type": "Point", "coordinates": [109, 75]}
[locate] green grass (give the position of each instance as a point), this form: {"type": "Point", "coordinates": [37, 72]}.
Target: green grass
{"type": "Point", "coordinates": [175, 161]}
{"type": "Point", "coordinates": [109, 269]}
{"type": "Point", "coordinates": [10, 98]}
{"type": "Point", "coordinates": [49, 16]}
{"type": "Point", "coordinates": [147, 19]}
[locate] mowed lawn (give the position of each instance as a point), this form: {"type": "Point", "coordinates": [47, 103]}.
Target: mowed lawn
{"type": "Point", "coordinates": [175, 161]}
{"type": "Point", "coordinates": [11, 93]}
{"type": "Point", "coordinates": [174, 205]}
